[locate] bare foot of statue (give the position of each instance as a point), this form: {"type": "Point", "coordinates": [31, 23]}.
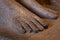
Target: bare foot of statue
{"type": "Point", "coordinates": [18, 20]}
{"type": "Point", "coordinates": [16, 16]}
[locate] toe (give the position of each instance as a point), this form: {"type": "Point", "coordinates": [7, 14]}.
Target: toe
{"type": "Point", "coordinates": [19, 26]}
{"type": "Point", "coordinates": [40, 21]}
{"type": "Point", "coordinates": [21, 30]}
{"type": "Point", "coordinates": [26, 27]}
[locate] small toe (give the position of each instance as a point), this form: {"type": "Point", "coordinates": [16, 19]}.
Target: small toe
{"type": "Point", "coordinates": [42, 22]}
{"type": "Point", "coordinates": [26, 27]}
